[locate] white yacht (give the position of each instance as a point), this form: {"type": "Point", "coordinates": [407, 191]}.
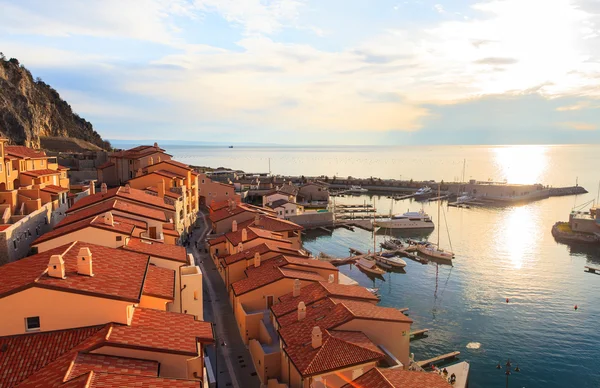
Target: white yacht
{"type": "Point", "coordinates": [423, 191]}
{"type": "Point", "coordinates": [357, 189]}
{"type": "Point", "coordinates": [408, 220]}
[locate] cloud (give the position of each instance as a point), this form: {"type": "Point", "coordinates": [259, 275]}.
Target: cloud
{"type": "Point", "coordinates": [581, 126]}
{"type": "Point", "coordinates": [496, 61]}
{"type": "Point", "coordinates": [439, 8]}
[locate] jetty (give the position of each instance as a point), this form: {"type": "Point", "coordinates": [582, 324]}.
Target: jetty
{"type": "Point", "coordinates": [418, 334]}
{"type": "Point", "coordinates": [434, 360]}
{"type": "Point", "coordinates": [589, 269]}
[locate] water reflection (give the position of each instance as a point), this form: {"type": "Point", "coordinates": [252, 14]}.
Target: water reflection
{"type": "Point", "coordinates": [521, 164]}
{"type": "Point", "coordinates": [516, 235]}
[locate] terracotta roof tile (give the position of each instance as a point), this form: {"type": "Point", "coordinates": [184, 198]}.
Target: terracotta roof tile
{"type": "Point", "coordinates": [325, 316]}
{"type": "Point", "coordinates": [318, 291]}
{"type": "Point", "coordinates": [263, 248]}
{"type": "Point", "coordinates": [336, 352]}
{"type": "Point", "coordinates": [368, 310]}
{"type": "Point", "coordinates": [398, 378]}
{"type": "Point", "coordinates": [155, 329]}
{"type": "Point", "coordinates": [113, 205]}
{"type": "Point", "coordinates": [160, 282]}
{"type": "Point", "coordinates": [176, 163]}
{"type": "Point", "coordinates": [27, 353]}
{"type": "Point", "coordinates": [134, 195]}
{"type": "Point", "coordinates": [156, 249]}
{"type": "Point", "coordinates": [224, 213]}
{"type": "Point", "coordinates": [86, 362]}
{"type": "Point", "coordinates": [168, 174]}
{"type": "Point", "coordinates": [24, 152]}
{"type": "Point", "coordinates": [271, 223]}
{"type": "Point", "coordinates": [218, 205]}
{"type": "Point", "coordinates": [42, 172]}
{"type": "Point", "coordinates": [120, 225]}
{"type": "Point", "coordinates": [117, 273]}
{"type": "Point", "coordinates": [138, 152]}
{"type": "Point", "coordinates": [106, 380]}
{"type": "Point", "coordinates": [268, 272]}
{"type": "Point", "coordinates": [54, 189]}
{"type": "Point", "coordinates": [217, 240]}
{"type": "Point", "coordinates": [236, 237]}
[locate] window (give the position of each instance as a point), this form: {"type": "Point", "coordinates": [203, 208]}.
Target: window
{"type": "Point", "coordinates": [15, 244]}
{"type": "Point", "coordinates": [119, 238]}
{"type": "Point", "coordinates": [1, 167]}
{"type": "Point", "coordinates": [202, 181]}
{"type": "Point", "coordinates": [130, 161]}
{"type": "Point", "coordinates": [226, 194]}
{"type": "Point", "coordinates": [32, 323]}
{"type": "Point", "coordinates": [195, 294]}
{"type": "Point", "coordinates": [42, 163]}
{"type": "Point", "coordinates": [130, 174]}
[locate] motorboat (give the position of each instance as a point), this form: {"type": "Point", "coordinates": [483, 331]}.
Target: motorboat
{"type": "Point", "coordinates": [423, 191]}
{"type": "Point", "coordinates": [392, 244]}
{"type": "Point", "coordinates": [464, 197]}
{"type": "Point", "coordinates": [369, 266]}
{"type": "Point", "coordinates": [357, 189]}
{"type": "Point", "coordinates": [408, 220]}
{"type": "Point", "coordinates": [392, 262]}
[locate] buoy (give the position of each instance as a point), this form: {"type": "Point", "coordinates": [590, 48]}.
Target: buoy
{"type": "Point", "coordinates": [575, 307]}
{"type": "Point", "coordinates": [506, 300]}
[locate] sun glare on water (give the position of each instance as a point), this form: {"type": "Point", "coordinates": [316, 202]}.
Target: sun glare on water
{"type": "Point", "coordinates": [521, 164]}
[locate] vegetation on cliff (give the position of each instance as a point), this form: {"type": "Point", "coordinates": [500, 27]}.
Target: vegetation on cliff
{"type": "Point", "coordinates": [30, 109]}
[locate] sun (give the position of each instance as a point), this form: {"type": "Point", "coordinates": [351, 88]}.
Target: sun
{"type": "Point", "coordinates": [522, 164]}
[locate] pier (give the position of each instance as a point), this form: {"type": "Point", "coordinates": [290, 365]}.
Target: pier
{"type": "Point", "coordinates": [418, 333]}
{"type": "Point", "coordinates": [434, 360]}
{"type": "Point", "coordinates": [594, 270]}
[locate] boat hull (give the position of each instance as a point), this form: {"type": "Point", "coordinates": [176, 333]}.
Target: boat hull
{"type": "Point", "coordinates": [435, 254]}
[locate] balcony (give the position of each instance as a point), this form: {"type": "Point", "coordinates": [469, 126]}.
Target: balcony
{"type": "Point", "coordinates": [159, 236]}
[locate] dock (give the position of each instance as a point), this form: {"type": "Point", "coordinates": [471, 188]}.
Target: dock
{"type": "Point", "coordinates": [434, 360]}
{"type": "Point", "coordinates": [441, 197]}
{"type": "Point", "coordinates": [356, 252]}
{"type": "Point", "coordinates": [589, 269]}
{"type": "Point", "coordinates": [419, 333]}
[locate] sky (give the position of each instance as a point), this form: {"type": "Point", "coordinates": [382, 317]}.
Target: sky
{"type": "Point", "coordinates": [319, 71]}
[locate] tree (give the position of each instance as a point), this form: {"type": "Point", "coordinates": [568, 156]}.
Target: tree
{"type": "Point", "coordinates": [2, 56]}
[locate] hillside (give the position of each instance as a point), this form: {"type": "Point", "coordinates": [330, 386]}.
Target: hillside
{"type": "Point", "coordinates": [31, 109]}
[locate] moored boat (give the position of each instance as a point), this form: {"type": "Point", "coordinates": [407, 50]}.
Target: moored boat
{"type": "Point", "coordinates": [408, 220]}
{"type": "Point", "coordinates": [390, 261]}
{"type": "Point", "coordinates": [369, 266]}
{"type": "Point", "coordinates": [435, 252]}
{"type": "Point", "coordinates": [357, 189]}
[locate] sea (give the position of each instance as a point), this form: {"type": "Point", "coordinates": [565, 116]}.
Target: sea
{"type": "Point", "coordinates": [512, 290]}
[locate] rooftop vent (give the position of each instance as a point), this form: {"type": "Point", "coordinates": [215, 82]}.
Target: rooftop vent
{"type": "Point", "coordinates": [296, 290]}
{"type": "Point", "coordinates": [301, 311]}
{"type": "Point", "coordinates": [317, 337]}
{"type": "Point", "coordinates": [103, 188]}
{"type": "Point", "coordinates": [84, 262]}
{"type": "Point", "coordinates": [56, 267]}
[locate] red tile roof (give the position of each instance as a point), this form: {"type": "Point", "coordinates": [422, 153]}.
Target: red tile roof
{"type": "Point", "coordinates": [105, 165]}
{"type": "Point", "coordinates": [42, 172]}
{"type": "Point", "coordinates": [120, 225]}
{"type": "Point", "coordinates": [24, 152]}
{"type": "Point", "coordinates": [271, 223]}
{"type": "Point", "coordinates": [86, 362]}
{"type": "Point", "coordinates": [224, 213]}
{"type": "Point", "coordinates": [118, 274]}
{"type": "Point", "coordinates": [217, 240]}
{"type": "Point", "coordinates": [338, 351]}
{"type": "Point", "coordinates": [318, 291]}
{"type": "Point", "coordinates": [138, 152]}
{"type": "Point", "coordinates": [154, 189]}
{"type": "Point", "coordinates": [168, 174]}
{"type": "Point", "coordinates": [366, 310]}
{"type": "Point", "coordinates": [263, 248]}
{"type": "Point", "coordinates": [175, 163]}
{"type": "Point", "coordinates": [114, 205]}
{"type": "Point", "coordinates": [27, 353]}
{"type": "Point", "coordinates": [398, 378]}
{"type": "Point", "coordinates": [105, 380]}
{"type": "Point", "coordinates": [251, 233]}
{"type": "Point", "coordinates": [269, 272]}
{"type": "Point", "coordinates": [4, 227]}
{"type": "Point", "coordinates": [325, 316]}
{"type": "Point", "coordinates": [155, 329]}
{"type": "Point", "coordinates": [218, 205]}
{"type": "Point", "coordinates": [160, 282]}
{"type": "Point", "coordinates": [54, 189]}
{"type": "Point", "coordinates": [63, 167]}
{"type": "Point", "coordinates": [156, 249]}
{"type": "Point", "coordinates": [134, 195]}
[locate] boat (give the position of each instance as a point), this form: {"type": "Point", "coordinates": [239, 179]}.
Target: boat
{"type": "Point", "coordinates": [374, 291]}
{"type": "Point", "coordinates": [464, 197]}
{"type": "Point", "coordinates": [369, 266]}
{"type": "Point", "coordinates": [230, 146]}
{"type": "Point", "coordinates": [433, 250]}
{"type": "Point", "coordinates": [408, 220]}
{"type": "Point", "coordinates": [423, 191]}
{"type": "Point", "coordinates": [390, 261]}
{"type": "Point", "coordinates": [357, 189]}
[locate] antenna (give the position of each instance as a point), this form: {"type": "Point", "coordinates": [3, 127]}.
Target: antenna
{"type": "Point", "coordinates": [269, 166]}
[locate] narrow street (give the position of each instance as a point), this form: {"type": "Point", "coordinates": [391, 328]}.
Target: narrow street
{"type": "Point", "coordinates": [232, 362]}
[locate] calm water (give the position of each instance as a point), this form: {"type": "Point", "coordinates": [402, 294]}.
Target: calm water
{"type": "Point", "coordinates": [500, 253]}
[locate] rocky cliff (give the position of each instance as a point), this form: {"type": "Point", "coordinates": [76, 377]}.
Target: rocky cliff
{"type": "Point", "coordinates": [30, 109]}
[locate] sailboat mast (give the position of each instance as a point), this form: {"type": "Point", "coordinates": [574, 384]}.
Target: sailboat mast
{"type": "Point", "coordinates": [439, 201]}
{"type": "Point", "coordinates": [374, 209]}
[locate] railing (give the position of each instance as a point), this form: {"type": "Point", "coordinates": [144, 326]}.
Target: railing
{"type": "Point", "coordinates": [146, 235]}
{"type": "Point", "coordinates": [177, 190]}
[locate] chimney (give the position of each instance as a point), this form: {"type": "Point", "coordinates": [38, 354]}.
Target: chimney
{"type": "Point", "coordinates": [257, 259]}
{"type": "Point", "coordinates": [257, 219]}
{"type": "Point", "coordinates": [103, 188]}
{"type": "Point", "coordinates": [108, 219]}
{"type": "Point", "coordinates": [244, 234]}
{"type": "Point", "coordinates": [138, 172]}
{"type": "Point", "coordinates": [156, 145]}
{"type": "Point", "coordinates": [92, 187]}
{"type": "Point", "coordinates": [84, 262]}
{"type": "Point", "coordinates": [161, 189]}
{"type": "Point", "coordinates": [296, 291]}
{"type": "Point", "coordinates": [126, 188]}
{"type": "Point", "coordinates": [240, 247]}
{"type": "Point", "coordinates": [317, 337]}
{"type": "Point", "coordinates": [331, 278]}
{"type": "Point", "coordinates": [301, 311]}
{"type": "Point", "coordinates": [234, 226]}
{"type": "Point", "coordinates": [56, 267]}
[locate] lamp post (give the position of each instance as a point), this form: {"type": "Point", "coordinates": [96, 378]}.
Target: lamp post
{"type": "Point", "coordinates": [507, 369]}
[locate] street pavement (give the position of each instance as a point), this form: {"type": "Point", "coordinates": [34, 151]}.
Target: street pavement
{"type": "Point", "coordinates": [230, 358]}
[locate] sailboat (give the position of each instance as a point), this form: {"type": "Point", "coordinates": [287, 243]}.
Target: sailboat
{"type": "Point", "coordinates": [369, 263]}
{"type": "Point", "coordinates": [434, 251]}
